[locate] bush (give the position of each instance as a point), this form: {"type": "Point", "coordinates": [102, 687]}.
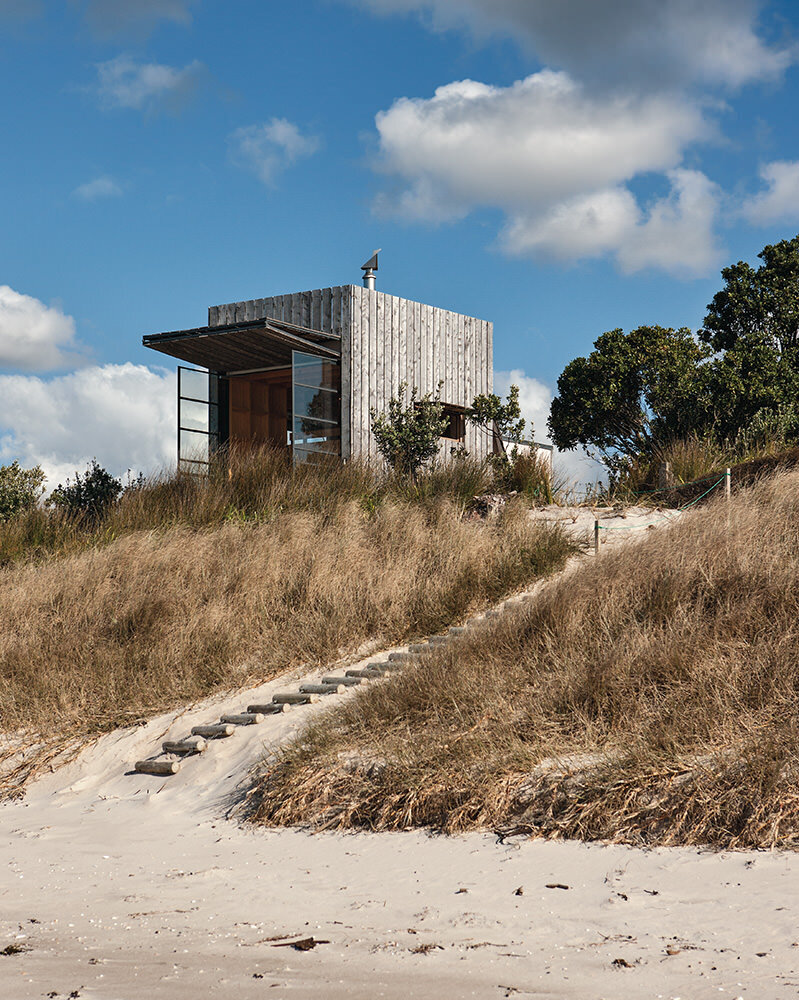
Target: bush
{"type": "Point", "coordinates": [90, 495]}
{"type": "Point", "coordinates": [20, 489]}
{"type": "Point", "coordinates": [408, 435]}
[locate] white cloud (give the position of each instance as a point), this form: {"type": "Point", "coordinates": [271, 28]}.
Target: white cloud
{"type": "Point", "coordinates": [556, 159]}
{"type": "Point", "coordinates": [269, 148]}
{"type": "Point", "coordinates": [535, 400]}
{"type": "Point", "coordinates": [99, 188]}
{"type": "Point", "coordinates": [651, 42]}
{"type": "Point", "coordinates": [123, 82]}
{"type": "Point", "coordinates": [33, 336]}
{"type": "Point", "coordinates": [780, 201]}
{"type": "Point", "coordinates": [678, 233]}
{"type": "Point", "coordinates": [110, 17]}
{"type": "Point", "coordinates": [123, 415]}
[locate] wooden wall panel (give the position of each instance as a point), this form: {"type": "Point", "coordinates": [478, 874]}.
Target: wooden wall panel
{"type": "Point", "coordinates": [386, 340]}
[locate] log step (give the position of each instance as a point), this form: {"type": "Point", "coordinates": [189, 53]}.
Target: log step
{"type": "Point", "coordinates": [322, 688]}
{"type": "Point", "coordinates": [401, 657]}
{"type": "Point", "coordinates": [438, 640]}
{"type": "Point", "coordinates": [295, 699]}
{"type": "Point", "coordinates": [157, 766]}
{"type": "Point", "coordinates": [270, 708]}
{"type": "Point", "coordinates": [346, 681]}
{"type": "Point", "coordinates": [458, 630]}
{"type": "Point", "coordinates": [419, 647]}
{"type": "Point", "coordinates": [244, 719]}
{"type": "Point", "coordinates": [366, 675]}
{"type": "Point", "coordinates": [213, 732]}
{"type": "Point", "coordinates": [193, 745]}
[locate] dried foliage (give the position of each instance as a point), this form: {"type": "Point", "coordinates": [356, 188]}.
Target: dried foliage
{"type": "Point", "coordinates": [221, 596]}
{"type": "Point", "coordinates": [650, 697]}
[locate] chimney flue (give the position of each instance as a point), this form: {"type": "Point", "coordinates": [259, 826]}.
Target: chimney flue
{"type": "Point", "coordinates": [369, 269]}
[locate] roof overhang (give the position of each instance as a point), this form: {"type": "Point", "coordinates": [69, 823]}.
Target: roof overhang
{"type": "Point", "coordinates": [239, 347]}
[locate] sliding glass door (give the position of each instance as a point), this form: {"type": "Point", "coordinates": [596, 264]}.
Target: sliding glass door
{"type": "Point", "coordinates": [198, 418]}
{"type": "Point", "coordinates": [316, 407]}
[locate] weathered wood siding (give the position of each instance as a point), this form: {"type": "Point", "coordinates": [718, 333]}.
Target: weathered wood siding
{"type": "Point", "coordinates": [386, 341]}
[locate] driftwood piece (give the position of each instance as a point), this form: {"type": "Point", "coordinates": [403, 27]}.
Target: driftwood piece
{"type": "Point", "coordinates": [213, 732]}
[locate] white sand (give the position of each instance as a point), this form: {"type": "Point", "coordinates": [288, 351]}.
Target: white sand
{"type": "Point", "coordinates": [125, 886]}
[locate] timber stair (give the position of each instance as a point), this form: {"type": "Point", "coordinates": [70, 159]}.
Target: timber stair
{"type": "Point", "coordinates": [199, 741]}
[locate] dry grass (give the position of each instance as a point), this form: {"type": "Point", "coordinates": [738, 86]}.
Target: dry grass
{"type": "Point", "coordinates": [650, 697]}
{"type": "Point", "coordinates": [154, 619]}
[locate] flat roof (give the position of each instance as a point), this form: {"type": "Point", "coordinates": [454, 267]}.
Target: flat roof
{"type": "Point", "coordinates": [263, 343]}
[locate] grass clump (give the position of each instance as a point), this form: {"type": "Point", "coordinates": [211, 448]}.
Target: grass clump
{"type": "Point", "coordinates": [199, 588]}
{"type": "Point", "coordinates": [651, 697]}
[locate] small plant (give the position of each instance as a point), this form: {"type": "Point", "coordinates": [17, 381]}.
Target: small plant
{"type": "Point", "coordinates": [408, 434]}
{"type": "Point", "coordinates": [20, 489]}
{"type": "Point", "coordinates": [90, 495]}
{"type": "Point", "coordinates": [504, 419]}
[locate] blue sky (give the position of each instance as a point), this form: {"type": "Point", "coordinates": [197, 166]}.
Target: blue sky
{"type": "Point", "coordinates": [561, 169]}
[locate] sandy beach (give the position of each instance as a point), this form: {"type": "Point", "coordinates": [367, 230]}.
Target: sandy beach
{"type": "Point", "coordinates": [117, 886]}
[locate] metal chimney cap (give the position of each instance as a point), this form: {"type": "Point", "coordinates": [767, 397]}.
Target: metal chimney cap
{"type": "Point", "coordinates": [371, 264]}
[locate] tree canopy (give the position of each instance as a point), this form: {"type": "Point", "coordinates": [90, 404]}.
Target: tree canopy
{"type": "Point", "coordinates": [639, 390]}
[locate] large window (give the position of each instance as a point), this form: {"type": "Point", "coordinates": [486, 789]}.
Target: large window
{"type": "Point", "coordinates": [198, 418]}
{"type": "Point", "coordinates": [316, 407]}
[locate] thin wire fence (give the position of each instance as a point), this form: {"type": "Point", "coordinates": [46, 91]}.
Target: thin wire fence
{"type": "Point", "coordinates": [672, 516]}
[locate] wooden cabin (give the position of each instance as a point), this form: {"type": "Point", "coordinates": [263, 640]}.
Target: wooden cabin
{"type": "Point", "coordinates": [303, 371]}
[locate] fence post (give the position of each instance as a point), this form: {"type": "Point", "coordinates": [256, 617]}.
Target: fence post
{"type": "Point", "coordinates": [596, 537]}
{"type": "Point", "coordinates": [727, 483]}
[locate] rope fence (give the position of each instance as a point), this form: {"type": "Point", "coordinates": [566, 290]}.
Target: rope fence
{"type": "Point", "coordinates": [726, 479]}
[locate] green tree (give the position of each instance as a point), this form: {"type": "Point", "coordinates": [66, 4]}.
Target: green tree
{"type": "Point", "coordinates": [504, 419]}
{"type": "Point", "coordinates": [753, 325]}
{"type": "Point", "coordinates": [633, 391]}
{"type": "Point", "coordinates": [408, 434]}
{"type": "Point", "coordinates": [758, 306]}
{"type": "Point", "coordinates": [20, 489]}
{"type": "Point", "coordinates": [89, 495]}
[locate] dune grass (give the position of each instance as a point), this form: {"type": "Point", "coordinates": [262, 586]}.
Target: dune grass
{"type": "Point", "coordinates": [649, 697]}
{"type": "Point", "coordinates": [244, 577]}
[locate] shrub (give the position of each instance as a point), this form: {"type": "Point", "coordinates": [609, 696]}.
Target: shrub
{"type": "Point", "coordinates": [90, 495]}
{"type": "Point", "coordinates": [407, 435]}
{"type": "Point", "coordinates": [20, 489]}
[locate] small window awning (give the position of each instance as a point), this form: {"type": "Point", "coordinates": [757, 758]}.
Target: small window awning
{"type": "Point", "coordinates": [243, 347]}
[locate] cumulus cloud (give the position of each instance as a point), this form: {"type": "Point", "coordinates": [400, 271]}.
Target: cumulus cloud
{"type": "Point", "coordinates": [123, 82]}
{"type": "Point", "coordinates": [99, 188]}
{"type": "Point", "coordinates": [556, 158]}
{"type": "Point", "coordinates": [112, 17]}
{"type": "Point", "coordinates": [268, 148]}
{"type": "Point", "coordinates": [780, 201]}
{"type": "Point", "coordinates": [535, 400]}
{"type": "Point", "coordinates": [651, 42]}
{"type": "Point", "coordinates": [33, 336]}
{"type": "Point", "coordinates": [123, 415]}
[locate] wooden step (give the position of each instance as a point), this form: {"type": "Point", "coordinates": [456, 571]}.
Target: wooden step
{"type": "Point", "coordinates": [322, 688]}
{"type": "Point", "coordinates": [244, 719]}
{"type": "Point", "coordinates": [366, 675]}
{"type": "Point", "coordinates": [346, 681]}
{"type": "Point", "coordinates": [194, 744]}
{"type": "Point", "coordinates": [214, 732]}
{"type": "Point", "coordinates": [270, 708]}
{"type": "Point", "coordinates": [160, 767]}
{"type": "Point", "coordinates": [292, 698]}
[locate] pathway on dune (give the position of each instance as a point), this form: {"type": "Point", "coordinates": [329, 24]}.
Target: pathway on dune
{"type": "Point", "coordinates": [127, 886]}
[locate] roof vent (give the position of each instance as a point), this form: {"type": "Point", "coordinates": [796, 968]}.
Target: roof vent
{"type": "Point", "coordinates": [369, 269]}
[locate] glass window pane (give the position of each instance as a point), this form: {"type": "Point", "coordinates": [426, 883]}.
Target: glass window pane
{"type": "Point", "coordinates": [313, 371]}
{"type": "Point", "coordinates": [313, 430]}
{"type": "Point", "coordinates": [194, 416]}
{"type": "Point", "coordinates": [193, 384]}
{"type": "Point", "coordinates": [319, 404]}
{"type": "Point", "coordinates": [194, 446]}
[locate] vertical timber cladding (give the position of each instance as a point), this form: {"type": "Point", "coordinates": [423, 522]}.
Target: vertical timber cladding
{"type": "Point", "coordinates": [395, 340]}
{"type": "Point", "coordinates": [385, 341]}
